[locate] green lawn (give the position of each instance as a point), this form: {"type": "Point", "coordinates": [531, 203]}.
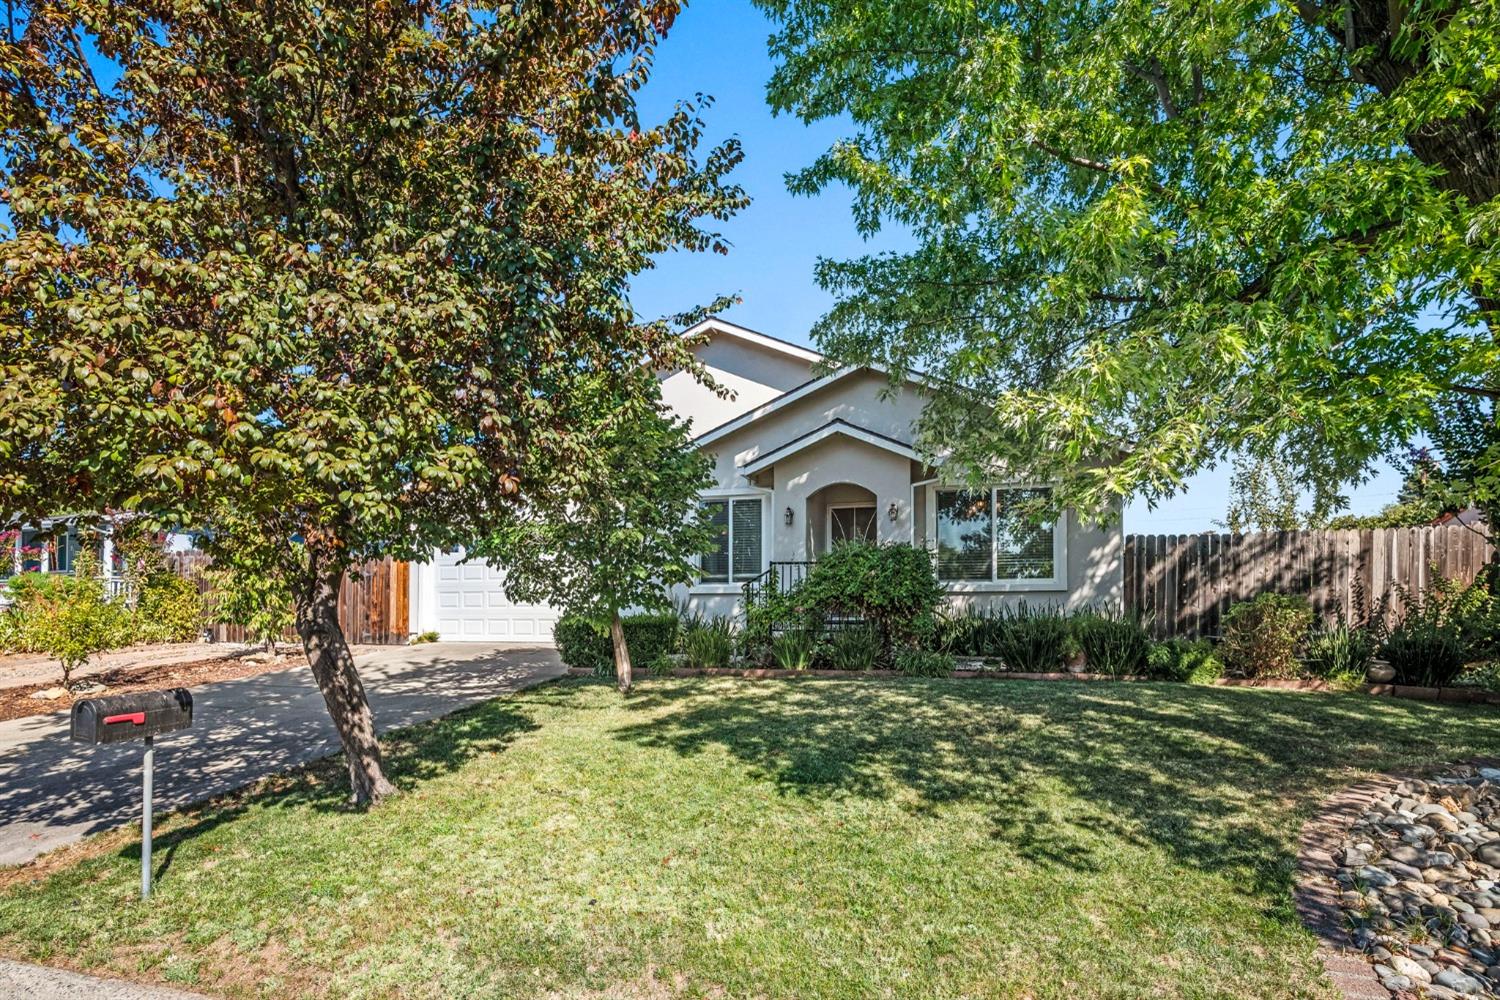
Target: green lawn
{"type": "Point", "coordinates": [724, 838]}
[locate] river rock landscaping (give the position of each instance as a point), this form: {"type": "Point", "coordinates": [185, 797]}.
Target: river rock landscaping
{"type": "Point", "coordinates": [1420, 875]}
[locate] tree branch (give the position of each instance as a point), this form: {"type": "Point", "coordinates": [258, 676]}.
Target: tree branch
{"type": "Point", "coordinates": [1152, 74]}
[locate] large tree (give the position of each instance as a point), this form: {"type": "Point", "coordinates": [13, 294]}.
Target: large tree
{"type": "Point", "coordinates": [620, 528]}
{"type": "Point", "coordinates": [1148, 235]}
{"type": "Point", "coordinates": [322, 276]}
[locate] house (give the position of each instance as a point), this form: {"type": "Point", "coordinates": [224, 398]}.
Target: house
{"type": "Point", "coordinates": [802, 461]}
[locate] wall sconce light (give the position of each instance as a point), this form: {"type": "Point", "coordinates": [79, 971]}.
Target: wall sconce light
{"type": "Point", "coordinates": [788, 515]}
{"type": "Point", "coordinates": [893, 511]}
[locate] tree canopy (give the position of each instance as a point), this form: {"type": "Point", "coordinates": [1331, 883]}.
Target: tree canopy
{"type": "Point", "coordinates": [617, 531]}
{"type": "Point", "coordinates": [1149, 235]}
{"type": "Point", "coordinates": [324, 278]}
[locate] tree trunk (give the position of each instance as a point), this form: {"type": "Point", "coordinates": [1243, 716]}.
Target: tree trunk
{"type": "Point", "coordinates": [622, 653]}
{"type": "Point", "coordinates": [333, 667]}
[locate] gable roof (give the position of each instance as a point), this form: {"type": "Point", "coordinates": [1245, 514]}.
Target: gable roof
{"type": "Point", "coordinates": [835, 426]}
{"type": "Point", "coordinates": [744, 333]}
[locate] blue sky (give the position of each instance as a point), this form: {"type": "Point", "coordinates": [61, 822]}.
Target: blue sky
{"type": "Point", "coordinates": [718, 47]}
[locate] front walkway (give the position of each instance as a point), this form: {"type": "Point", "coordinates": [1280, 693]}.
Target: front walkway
{"type": "Point", "coordinates": [54, 792]}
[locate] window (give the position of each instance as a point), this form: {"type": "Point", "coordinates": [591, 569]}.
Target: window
{"type": "Point", "coordinates": [736, 555]}
{"type": "Point", "coordinates": [986, 535]}
{"type": "Point", "coordinates": [851, 523]}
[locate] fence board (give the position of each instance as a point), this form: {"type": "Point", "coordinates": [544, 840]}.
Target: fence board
{"type": "Point", "coordinates": [1185, 583]}
{"type": "Point", "coordinates": [374, 605]}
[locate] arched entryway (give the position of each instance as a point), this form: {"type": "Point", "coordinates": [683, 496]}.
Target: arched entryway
{"type": "Point", "coordinates": [840, 512]}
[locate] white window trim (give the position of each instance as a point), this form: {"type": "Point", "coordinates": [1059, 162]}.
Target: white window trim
{"type": "Point", "coordinates": [1057, 581]}
{"type": "Point", "coordinates": [764, 496]}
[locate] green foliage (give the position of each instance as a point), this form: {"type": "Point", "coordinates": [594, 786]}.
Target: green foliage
{"type": "Point", "coordinates": [1148, 235]}
{"type": "Point", "coordinates": [422, 638]}
{"type": "Point", "coordinates": [794, 650]}
{"type": "Point", "coordinates": [892, 587]}
{"type": "Point", "coordinates": [1439, 631]}
{"type": "Point", "coordinates": [856, 648]}
{"type": "Point", "coordinates": [334, 281]}
{"type": "Point", "coordinates": [581, 644]}
{"type": "Point", "coordinates": [1030, 638]}
{"type": "Point", "coordinates": [66, 616]}
{"type": "Point", "coordinates": [253, 595]}
{"type": "Point", "coordinates": [1263, 496]}
{"type": "Point", "coordinates": [1183, 660]}
{"type": "Point", "coordinates": [624, 534]}
{"type": "Point", "coordinates": [923, 662]}
{"type": "Point", "coordinates": [584, 644]}
{"type": "Point", "coordinates": [1263, 637]}
{"type": "Point", "coordinates": [168, 608]}
{"type": "Point", "coordinates": [1113, 644]}
{"type": "Point", "coordinates": [708, 643]}
{"type": "Point", "coordinates": [1339, 649]}
{"type": "Point", "coordinates": [1424, 652]}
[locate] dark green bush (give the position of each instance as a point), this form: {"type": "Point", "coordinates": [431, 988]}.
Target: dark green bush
{"type": "Point", "coordinates": [970, 632]}
{"type": "Point", "coordinates": [893, 587]}
{"type": "Point", "coordinates": [585, 645]}
{"type": "Point", "coordinates": [923, 663]}
{"type": "Point", "coordinates": [1339, 649]}
{"type": "Point", "coordinates": [1425, 653]}
{"type": "Point", "coordinates": [1029, 639]}
{"type": "Point", "coordinates": [1111, 644]}
{"type": "Point", "coordinates": [1183, 660]}
{"type": "Point", "coordinates": [1262, 638]}
{"type": "Point", "coordinates": [794, 650]}
{"type": "Point", "coordinates": [708, 642]}
{"type": "Point", "coordinates": [853, 649]}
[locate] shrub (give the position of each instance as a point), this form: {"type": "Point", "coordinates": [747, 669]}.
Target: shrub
{"type": "Point", "coordinates": [854, 649]}
{"type": "Point", "coordinates": [168, 608]}
{"type": "Point", "coordinates": [970, 632]}
{"type": "Point", "coordinates": [585, 645]}
{"type": "Point", "coordinates": [1029, 639]}
{"type": "Point", "coordinates": [582, 644]}
{"type": "Point", "coordinates": [1111, 644]}
{"type": "Point", "coordinates": [1425, 653]}
{"type": "Point", "coordinates": [793, 650]}
{"type": "Point", "coordinates": [1263, 637]}
{"type": "Point", "coordinates": [893, 587]}
{"type": "Point", "coordinates": [253, 596]}
{"type": "Point", "coordinates": [424, 637]}
{"type": "Point", "coordinates": [1192, 660]}
{"type": "Point", "coordinates": [68, 617]}
{"type": "Point", "coordinates": [924, 663]}
{"type": "Point", "coordinates": [1339, 649]}
{"type": "Point", "coordinates": [708, 643]}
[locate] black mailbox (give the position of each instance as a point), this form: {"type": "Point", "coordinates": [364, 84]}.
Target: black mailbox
{"type": "Point", "coordinates": [122, 717]}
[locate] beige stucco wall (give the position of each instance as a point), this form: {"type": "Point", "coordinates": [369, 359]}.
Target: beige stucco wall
{"type": "Point", "coordinates": [753, 375]}
{"type": "Point", "coordinates": [809, 479]}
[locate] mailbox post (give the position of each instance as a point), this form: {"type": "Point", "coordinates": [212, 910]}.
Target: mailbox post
{"type": "Point", "coordinates": [128, 717]}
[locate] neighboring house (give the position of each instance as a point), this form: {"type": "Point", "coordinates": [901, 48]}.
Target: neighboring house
{"type": "Point", "coordinates": [803, 461]}
{"type": "Point", "coordinates": [53, 546]}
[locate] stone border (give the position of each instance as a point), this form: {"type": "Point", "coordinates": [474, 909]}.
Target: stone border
{"type": "Point", "coordinates": [1315, 894]}
{"type": "Point", "coordinates": [762, 673]}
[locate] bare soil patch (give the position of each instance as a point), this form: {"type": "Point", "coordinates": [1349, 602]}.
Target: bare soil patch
{"type": "Point", "coordinates": [18, 702]}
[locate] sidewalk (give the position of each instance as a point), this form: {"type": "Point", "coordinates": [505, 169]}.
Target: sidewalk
{"type": "Point", "coordinates": [34, 982]}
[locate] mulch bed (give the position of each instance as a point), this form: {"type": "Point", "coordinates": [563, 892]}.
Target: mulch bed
{"type": "Point", "coordinates": [17, 703]}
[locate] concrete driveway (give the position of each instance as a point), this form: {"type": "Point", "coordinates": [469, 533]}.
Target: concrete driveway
{"type": "Point", "coordinates": [53, 792]}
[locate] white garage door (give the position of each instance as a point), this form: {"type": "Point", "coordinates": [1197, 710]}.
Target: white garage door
{"type": "Point", "coordinates": [472, 606]}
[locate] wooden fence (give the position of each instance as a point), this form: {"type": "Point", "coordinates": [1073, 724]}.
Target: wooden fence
{"type": "Point", "coordinates": [1185, 583]}
{"type": "Point", "coordinates": [374, 601]}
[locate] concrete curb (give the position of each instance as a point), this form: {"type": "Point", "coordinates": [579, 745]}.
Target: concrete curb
{"type": "Point", "coordinates": [36, 982]}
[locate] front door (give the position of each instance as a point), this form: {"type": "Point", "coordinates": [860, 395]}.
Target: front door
{"type": "Point", "coordinates": [851, 523]}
